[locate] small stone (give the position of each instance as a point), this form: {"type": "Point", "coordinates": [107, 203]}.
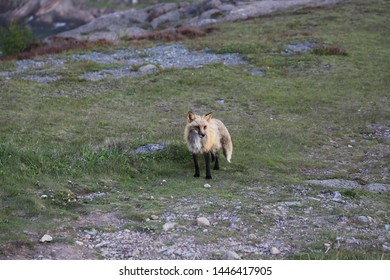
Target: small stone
{"type": "Point", "coordinates": [337, 197]}
{"type": "Point", "coordinates": [169, 226]}
{"type": "Point", "coordinates": [154, 217]}
{"type": "Point", "coordinates": [92, 231]}
{"type": "Point", "coordinates": [203, 222]}
{"type": "Point", "coordinates": [256, 71]}
{"type": "Point", "coordinates": [207, 186]}
{"type": "Point", "coordinates": [275, 251]}
{"type": "Point", "coordinates": [46, 238]}
{"type": "Point", "coordinates": [231, 255]}
{"type": "Point", "coordinates": [148, 69]}
{"type": "Point", "coordinates": [365, 219]}
{"type": "Point", "coordinates": [44, 196]}
{"type": "Point", "coordinates": [387, 227]}
{"type": "Point", "coordinates": [79, 243]}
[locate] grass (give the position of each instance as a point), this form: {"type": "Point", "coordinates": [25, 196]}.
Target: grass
{"type": "Point", "coordinates": [296, 123]}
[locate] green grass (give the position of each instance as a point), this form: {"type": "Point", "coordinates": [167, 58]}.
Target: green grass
{"type": "Point", "coordinates": [295, 123]}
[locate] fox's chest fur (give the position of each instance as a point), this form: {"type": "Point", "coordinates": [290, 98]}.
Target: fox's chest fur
{"type": "Point", "coordinates": [196, 144]}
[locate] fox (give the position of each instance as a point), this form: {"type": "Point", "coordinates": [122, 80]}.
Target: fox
{"type": "Point", "coordinates": [206, 135]}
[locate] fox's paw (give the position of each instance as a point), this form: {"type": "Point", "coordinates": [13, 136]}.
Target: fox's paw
{"type": "Point", "coordinates": [208, 177]}
{"type": "Point", "coordinates": [196, 175]}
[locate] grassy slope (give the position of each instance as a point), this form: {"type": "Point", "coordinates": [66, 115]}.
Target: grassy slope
{"type": "Point", "coordinates": [295, 123]}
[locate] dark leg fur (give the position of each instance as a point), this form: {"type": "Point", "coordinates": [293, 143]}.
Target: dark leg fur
{"type": "Point", "coordinates": [196, 162]}
{"type": "Point", "coordinates": [216, 164]}
{"type": "Point", "coordinates": [207, 160]}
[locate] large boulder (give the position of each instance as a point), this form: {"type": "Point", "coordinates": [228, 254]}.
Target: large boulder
{"type": "Point", "coordinates": [49, 12]}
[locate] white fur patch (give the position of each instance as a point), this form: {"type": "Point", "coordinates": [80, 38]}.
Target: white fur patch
{"type": "Point", "coordinates": [196, 143]}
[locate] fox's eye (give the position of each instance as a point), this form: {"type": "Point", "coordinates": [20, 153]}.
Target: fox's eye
{"type": "Point", "coordinates": [205, 127]}
{"type": "Point", "coordinates": [198, 127]}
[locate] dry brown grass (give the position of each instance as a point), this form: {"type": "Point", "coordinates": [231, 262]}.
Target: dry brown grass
{"type": "Point", "coordinates": [176, 34]}
{"type": "Point", "coordinates": [54, 45]}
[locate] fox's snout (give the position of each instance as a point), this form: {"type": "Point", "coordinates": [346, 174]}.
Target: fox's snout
{"type": "Point", "coordinates": [201, 134]}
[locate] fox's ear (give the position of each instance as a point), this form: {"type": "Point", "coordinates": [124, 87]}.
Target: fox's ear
{"type": "Point", "coordinates": [190, 117]}
{"type": "Point", "coordinates": [207, 117]}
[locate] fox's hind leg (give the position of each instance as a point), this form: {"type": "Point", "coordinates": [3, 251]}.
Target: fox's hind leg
{"type": "Point", "coordinates": [216, 162]}
{"type": "Point", "coordinates": [196, 163]}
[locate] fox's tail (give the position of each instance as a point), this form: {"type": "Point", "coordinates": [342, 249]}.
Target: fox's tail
{"type": "Point", "coordinates": [227, 147]}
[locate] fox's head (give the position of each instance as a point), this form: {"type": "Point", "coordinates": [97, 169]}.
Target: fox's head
{"type": "Point", "coordinates": [198, 124]}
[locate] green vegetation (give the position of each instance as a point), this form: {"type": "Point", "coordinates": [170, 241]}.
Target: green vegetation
{"type": "Point", "coordinates": [304, 120]}
{"type": "Point", "coordinates": [14, 38]}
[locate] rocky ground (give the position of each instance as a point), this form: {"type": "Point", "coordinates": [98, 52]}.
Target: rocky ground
{"type": "Point", "coordinates": [184, 232]}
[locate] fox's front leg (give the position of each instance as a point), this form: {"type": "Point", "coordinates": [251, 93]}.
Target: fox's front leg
{"type": "Point", "coordinates": [196, 163]}
{"type": "Point", "coordinates": [207, 160]}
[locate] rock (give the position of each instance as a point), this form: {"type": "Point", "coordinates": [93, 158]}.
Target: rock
{"type": "Point", "coordinates": [166, 19]}
{"type": "Point", "coordinates": [46, 238]}
{"type": "Point", "coordinates": [110, 27]}
{"type": "Point", "coordinates": [92, 231]}
{"type": "Point", "coordinates": [49, 12]}
{"type": "Point", "coordinates": [299, 47]}
{"type": "Point", "coordinates": [154, 217]}
{"type": "Point", "coordinates": [119, 24]}
{"type": "Point", "coordinates": [293, 203]}
{"type": "Point", "coordinates": [203, 222]}
{"type": "Point", "coordinates": [337, 197]}
{"type": "Point", "coordinates": [256, 71]}
{"type": "Point", "coordinates": [150, 148]}
{"type": "Point", "coordinates": [349, 184]}
{"type": "Point", "coordinates": [169, 226]}
{"type": "Point", "coordinates": [161, 9]}
{"type": "Point", "coordinates": [148, 69]}
{"type": "Point", "coordinates": [207, 186]}
{"type": "Point", "coordinates": [364, 219]}
{"type": "Point", "coordinates": [376, 187]}
{"type": "Point", "coordinates": [231, 255]}
{"type": "Point", "coordinates": [275, 251]}
{"type": "Point", "coordinates": [79, 243]}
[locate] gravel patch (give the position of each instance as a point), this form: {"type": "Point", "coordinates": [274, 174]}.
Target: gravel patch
{"type": "Point", "coordinates": [131, 63]}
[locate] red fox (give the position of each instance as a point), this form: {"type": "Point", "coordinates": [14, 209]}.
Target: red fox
{"type": "Point", "coordinates": [205, 135]}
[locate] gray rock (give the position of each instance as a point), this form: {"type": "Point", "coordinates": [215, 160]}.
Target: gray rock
{"type": "Point", "coordinates": [148, 69]}
{"type": "Point", "coordinates": [293, 203]}
{"type": "Point", "coordinates": [299, 47]}
{"type": "Point", "coordinates": [349, 184]}
{"type": "Point", "coordinates": [231, 255]}
{"type": "Point", "coordinates": [202, 222]}
{"type": "Point", "coordinates": [166, 19]}
{"type": "Point", "coordinates": [169, 226]}
{"type": "Point", "coordinates": [376, 187]}
{"type": "Point", "coordinates": [364, 219]}
{"type": "Point", "coordinates": [150, 148]}
{"type": "Point", "coordinates": [256, 71]}
{"type": "Point", "coordinates": [275, 251]}
{"type": "Point", "coordinates": [92, 231]}
{"type": "Point", "coordinates": [46, 238]}
{"type": "Point", "coordinates": [337, 197]}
